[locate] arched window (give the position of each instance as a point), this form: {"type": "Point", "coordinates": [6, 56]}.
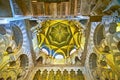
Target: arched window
{"type": "Point", "coordinates": [59, 56]}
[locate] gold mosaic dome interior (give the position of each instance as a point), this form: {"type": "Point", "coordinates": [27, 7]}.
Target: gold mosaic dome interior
{"type": "Point", "coordinates": [60, 37]}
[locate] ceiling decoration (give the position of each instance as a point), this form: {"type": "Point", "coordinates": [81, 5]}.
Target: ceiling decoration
{"type": "Point", "coordinates": [5, 9]}
{"type": "Point", "coordinates": [52, 0]}
{"type": "Point", "coordinates": [59, 8]}
{"type": "Point", "coordinates": [60, 37]}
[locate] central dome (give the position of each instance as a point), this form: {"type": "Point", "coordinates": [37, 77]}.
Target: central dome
{"type": "Point", "coordinates": [60, 37]}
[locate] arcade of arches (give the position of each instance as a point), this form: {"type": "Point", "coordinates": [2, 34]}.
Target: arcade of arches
{"type": "Point", "coordinates": [60, 40]}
